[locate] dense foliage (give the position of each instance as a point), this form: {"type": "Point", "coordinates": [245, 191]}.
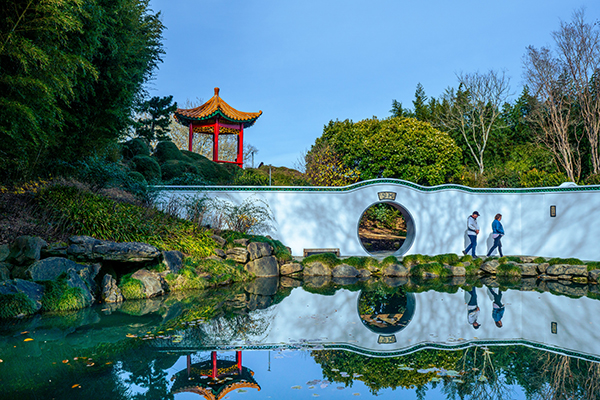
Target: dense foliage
{"type": "Point", "coordinates": [84, 213]}
{"type": "Point", "coordinates": [70, 74]}
{"type": "Point", "coordinates": [397, 147]}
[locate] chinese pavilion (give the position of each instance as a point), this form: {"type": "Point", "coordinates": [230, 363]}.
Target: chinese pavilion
{"type": "Point", "coordinates": [216, 117]}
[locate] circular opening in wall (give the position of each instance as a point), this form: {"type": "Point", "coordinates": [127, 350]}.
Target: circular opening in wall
{"type": "Point", "coordinates": [386, 228]}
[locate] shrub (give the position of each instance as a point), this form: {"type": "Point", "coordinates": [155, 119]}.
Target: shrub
{"type": "Point", "coordinates": [14, 305]}
{"type": "Point", "coordinates": [389, 260]}
{"type": "Point", "coordinates": [249, 177]}
{"type": "Point", "coordinates": [569, 261]}
{"type": "Point", "coordinates": [188, 179]}
{"type": "Point", "coordinates": [168, 151]}
{"type": "Point", "coordinates": [433, 267]}
{"type": "Point", "coordinates": [535, 178]}
{"type": "Point", "coordinates": [592, 265]}
{"type": "Point", "coordinates": [148, 167]}
{"type": "Point", "coordinates": [173, 169]}
{"type": "Point", "coordinates": [135, 147]}
{"type": "Point", "coordinates": [508, 270]}
{"type": "Point", "coordinates": [219, 271]}
{"type": "Point", "coordinates": [328, 259]}
{"type": "Point", "coordinates": [539, 260]}
{"type": "Point", "coordinates": [449, 259]}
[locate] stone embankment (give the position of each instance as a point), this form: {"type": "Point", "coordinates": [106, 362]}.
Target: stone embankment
{"type": "Point", "coordinates": [95, 267]}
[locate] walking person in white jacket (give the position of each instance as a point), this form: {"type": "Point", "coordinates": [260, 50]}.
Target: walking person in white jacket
{"type": "Point", "coordinates": [472, 232]}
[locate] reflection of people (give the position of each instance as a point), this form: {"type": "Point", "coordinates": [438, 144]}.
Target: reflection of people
{"type": "Point", "coordinates": [497, 233]}
{"type": "Point", "coordinates": [497, 306]}
{"type": "Point", "coordinates": [472, 308]}
{"type": "Point", "coordinates": [472, 232]}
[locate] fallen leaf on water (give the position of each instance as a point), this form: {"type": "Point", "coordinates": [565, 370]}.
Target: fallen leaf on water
{"type": "Point", "coordinates": [1, 360]}
{"type": "Point", "coordinates": [131, 335]}
{"type": "Point", "coordinates": [65, 361]}
{"type": "Point", "coordinates": [75, 386]}
{"type": "Point", "coordinates": [108, 363]}
{"type": "Point", "coordinates": [316, 395]}
{"type": "Point", "coordinates": [296, 387]}
{"type": "Point", "coordinates": [24, 332]}
{"type": "Point", "coordinates": [355, 394]}
{"type": "Point", "coordinates": [28, 340]}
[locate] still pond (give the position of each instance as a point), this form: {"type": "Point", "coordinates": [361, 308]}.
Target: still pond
{"type": "Point", "coordinates": [291, 340]}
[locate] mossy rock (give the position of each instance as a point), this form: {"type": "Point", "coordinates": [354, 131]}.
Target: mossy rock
{"type": "Point", "coordinates": [135, 147]}
{"type": "Point", "coordinates": [148, 167]}
{"type": "Point", "coordinates": [132, 288]}
{"type": "Point", "coordinates": [175, 169]}
{"type": "Point", "coordinates": [58, 296]}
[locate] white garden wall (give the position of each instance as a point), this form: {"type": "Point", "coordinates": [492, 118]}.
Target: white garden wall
{"type": "Point", "coordinates": [309, 217]}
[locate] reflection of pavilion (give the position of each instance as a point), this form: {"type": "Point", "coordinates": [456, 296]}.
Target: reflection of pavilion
{"type": "Point", "coordinates": [213, 378]}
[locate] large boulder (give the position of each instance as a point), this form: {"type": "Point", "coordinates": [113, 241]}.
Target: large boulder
{"type": "Point", "coordinates": [290, 268]}
{"type": "Point", "coordinates": [564, 269]}
{"type": "Point", "coordinates": [594, 275]}
{"type": "Point", "coordinates": [154, 284]}
{"type": "Point", "coordinates": [456, 270]}
{"type": "Point", "coordinates": [316, 268]}
{"type": "Point", "coordinates": [51, 268]}
{"type": "Point", "coordinates": [89, 249]}
{"type": "Point", "coordinates": [4, 271]}
{"type": "Point", "coordinates": [110, 291]}
{"type": "Point", "coordinates": [25, 250]}
{"type": "Point", "coordinates": [344, 271]}
{"type": "Point", "coordinates": [173, 260]}
{"type": "Point", "coordinates": [78, 275]}
{"type": "Point", "coordinates": [490, 266]}
{"type": "Point", "coordinates": [528, 269]}
{"type": "Point", "coordinates": [32, 290]}
{"type": "Point", "coordinates": [259, 250]}
{"type": "Point", "coordinates": [395, 270]}
{"type": "Point", "coordinates": [238, 254]}
{"type": "Point", "coordinates": [263, 267]}
{"type": "Point", "coordinates": [4, 252]}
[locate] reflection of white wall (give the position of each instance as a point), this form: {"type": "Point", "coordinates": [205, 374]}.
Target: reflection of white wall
{"type": "Point", "coordinates": [440, 318]}
{"type": "Point", "coordinates": [327, 218]}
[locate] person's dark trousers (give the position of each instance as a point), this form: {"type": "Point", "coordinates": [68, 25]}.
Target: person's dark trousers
{"type": "Point", "coordinates": [473, 244]}
{"type": "Point", "coordinates": [497, 244]}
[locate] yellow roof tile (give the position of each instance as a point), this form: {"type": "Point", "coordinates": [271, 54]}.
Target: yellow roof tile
{"type": "Point", "coordinates": [215, 107]}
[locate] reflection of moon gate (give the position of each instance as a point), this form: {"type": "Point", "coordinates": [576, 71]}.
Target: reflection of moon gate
{"type": "Point", "coordinates": [386, 316]}
{"type": "Point", "coordinates": [328, 217]}
{"type": "Point", "coordinates": [305, 320]}
{"type": "Point", "coordinates": [213, 378]}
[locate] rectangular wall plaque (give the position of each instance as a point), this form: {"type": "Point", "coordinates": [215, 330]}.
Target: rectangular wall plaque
{"type": "Point", "coordinates": [553, 211]}
{"type": "Point", "coordinates": [386, 339]}
{"type": "Point", "coordinates": [387, 195]}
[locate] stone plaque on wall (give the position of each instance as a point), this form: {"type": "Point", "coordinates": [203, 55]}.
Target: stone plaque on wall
{"type": "Point", "coordinates": [387, 195]}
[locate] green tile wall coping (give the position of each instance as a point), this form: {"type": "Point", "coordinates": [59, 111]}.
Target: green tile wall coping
{"type": "Point", "coordinates": [372, 182]}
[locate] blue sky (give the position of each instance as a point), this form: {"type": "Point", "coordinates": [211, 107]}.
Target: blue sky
{"type": "Point", "coordinates": [304, 63]}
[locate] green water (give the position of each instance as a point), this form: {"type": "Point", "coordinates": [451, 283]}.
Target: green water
{"type": "Point", "coordinates": [266, 341]}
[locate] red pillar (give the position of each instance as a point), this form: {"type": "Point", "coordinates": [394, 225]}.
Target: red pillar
{"type": "Point", "coordinates": [238, 358]}
{"type": "Point", "coordinates": [240, 152]}
{"type": "Point", "coordinates": [189, 365]}
{"type": "Point", "coordinates": [191, 138]}
{"type": "Point", "coordinates": [216, 141]}
{"type": "Point", "coordinates": [213, 355]}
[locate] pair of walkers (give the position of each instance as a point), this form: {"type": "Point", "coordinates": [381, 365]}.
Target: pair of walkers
{"type": "Point", "coordinates": [473, 308]}
{"type": "Point", "coordinates": [473, 231]}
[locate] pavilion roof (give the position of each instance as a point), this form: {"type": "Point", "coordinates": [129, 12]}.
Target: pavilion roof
{"type": "Point", "coordinates": [213, 108]}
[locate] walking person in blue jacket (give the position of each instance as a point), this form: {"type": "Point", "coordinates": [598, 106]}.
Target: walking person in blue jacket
{"type": "Point", "coordinates": [497, 233]}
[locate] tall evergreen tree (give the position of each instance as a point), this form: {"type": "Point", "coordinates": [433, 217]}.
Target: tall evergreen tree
{"type": "Point", "coordinates": [154, 120]}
